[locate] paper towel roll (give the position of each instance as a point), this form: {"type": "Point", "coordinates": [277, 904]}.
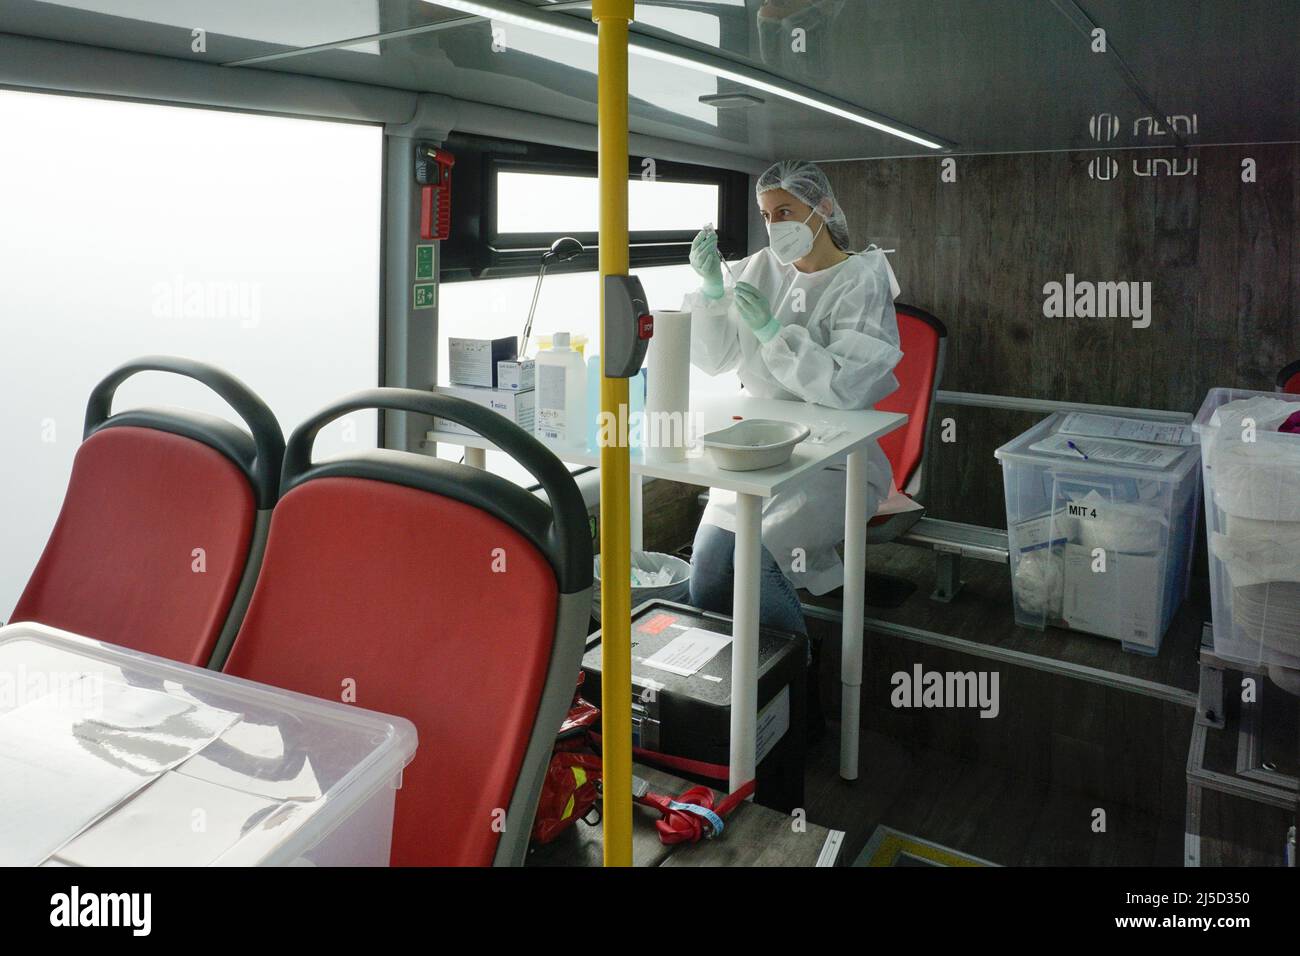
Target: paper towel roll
{"type": "Point", "coordinates": [668, 388]}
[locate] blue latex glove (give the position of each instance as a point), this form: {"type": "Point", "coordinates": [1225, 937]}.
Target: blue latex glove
{"type": "Point", "coordinates": [756, 312]}
{"type": "Point", "coordinates": [707, 263]}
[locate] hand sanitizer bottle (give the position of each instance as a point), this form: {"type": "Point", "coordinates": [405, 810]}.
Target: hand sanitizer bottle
{"type": "Point", "coordinates": [561, 395]}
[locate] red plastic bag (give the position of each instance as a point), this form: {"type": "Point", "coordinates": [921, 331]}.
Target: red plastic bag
{"type": "Point", "coordinates": [569, 793]}
{"type": "Point", "coordinates": [571, 788]}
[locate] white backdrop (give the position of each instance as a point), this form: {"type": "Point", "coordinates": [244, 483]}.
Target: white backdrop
{"type": "Point", "coordinates": [250, 242]}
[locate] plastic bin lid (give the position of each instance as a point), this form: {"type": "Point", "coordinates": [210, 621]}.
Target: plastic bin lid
{"type": "Point", "coordinates": [1018, 451]}
{"type": "Point", "coordinates": [107, 755]}
{"type": "Point", "coordinates": [1216, 398]}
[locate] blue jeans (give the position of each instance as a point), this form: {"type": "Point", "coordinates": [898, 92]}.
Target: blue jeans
{"type": "Point", "coordinates": [713, 578]}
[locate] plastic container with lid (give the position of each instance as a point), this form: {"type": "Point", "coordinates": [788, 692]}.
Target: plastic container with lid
{"type": "Point", "coordinates": [119, 758]}
{"type": "Point", "coordinates": [1252, 520]}
{"type": "Point", "coordinates": [1099, 546]}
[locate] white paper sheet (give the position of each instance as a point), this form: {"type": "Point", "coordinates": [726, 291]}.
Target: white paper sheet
{"type": "Point", "coordinates": [1127, 429]}
{"type": "Point", "coordinates": [176, 821]}
{"type": "Point", "coordinates": [1122, 602]}
{"type": "Point", "coordinates": [1048, 530]}
{"type": "Point", "coordinates": [773, 722]}
{"type": "Point", "coordinates": [68, 759]}
{"type": "Point", "coordinates": [689, 652]}
{"type": "Point", "coordinates": [1110, 451]}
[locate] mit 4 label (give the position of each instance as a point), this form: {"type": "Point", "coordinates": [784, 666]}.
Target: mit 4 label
{"type": "Point", "coordinates": [1083, 511]}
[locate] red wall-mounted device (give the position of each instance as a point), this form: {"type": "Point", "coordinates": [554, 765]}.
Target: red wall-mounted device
{"type": "Point", "coordinates": [433, 173]}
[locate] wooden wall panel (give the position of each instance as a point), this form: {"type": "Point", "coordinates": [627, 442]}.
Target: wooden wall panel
{"type": "Point", "coordinates": [1221, 257]}
{"type": "Point", "coordinates": [1266, 314]}
{"type": "Point", "coordinates": [1049, 360]}
{"type": "Point", "coordinates": [1214, 353]}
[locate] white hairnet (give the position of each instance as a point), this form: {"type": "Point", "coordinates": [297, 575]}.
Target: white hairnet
{"type": "Point", "coordinates": [807, 183]}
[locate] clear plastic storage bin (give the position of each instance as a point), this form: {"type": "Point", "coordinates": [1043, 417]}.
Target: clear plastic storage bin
{"type": "Point", "coordinates": [110, 757]}
{"type": "Point", "coordinates": [1099, 546]}
{"type": "Point", "coordinates": [1252, 520]}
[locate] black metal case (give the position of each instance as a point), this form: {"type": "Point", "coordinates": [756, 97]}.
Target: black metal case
{"type": "Point", "coordinates": [689, 715]}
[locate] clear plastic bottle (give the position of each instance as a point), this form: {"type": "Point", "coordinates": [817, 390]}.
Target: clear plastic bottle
{"type": "Point", "coordinates": [561, 395]}
{"type": "Point", "coordinates": [636, 407]}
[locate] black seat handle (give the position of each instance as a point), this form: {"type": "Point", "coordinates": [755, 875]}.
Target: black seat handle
{"type": "Point", "coordinates": [569, 511]}
{"type": "Point", "coordinates": [268, 440]}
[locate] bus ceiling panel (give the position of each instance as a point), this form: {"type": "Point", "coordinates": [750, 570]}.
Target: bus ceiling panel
{"type": "Point", "coordinates": [775, 78]}
{"type": "Point", "coordinates": [556, 76]}
{"type": "Point", "coordinates": [938, 64]}
{"type": "Point", "coordinates": [1013, 75]}
{"type": "Point", "coordinates": [232, 30]}
{"type": "Point", "coordinates": [1230, 66]}
{"type": "Point", "coordinates": [986, 75]}
{"type": "Point", "coordinates": [993, 107]}
{"type": "Point", "coordinates": [982, 75]}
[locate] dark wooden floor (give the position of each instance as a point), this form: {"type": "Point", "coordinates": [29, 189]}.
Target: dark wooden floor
{"type": "Point", "coordinates": [1237, 832]}
{"type": "Point", "coordinates": [978, 809]}
{"type": "Point", "coordinates": [1022, 789]}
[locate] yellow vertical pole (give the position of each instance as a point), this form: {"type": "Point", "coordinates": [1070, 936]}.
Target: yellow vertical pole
{"type": "Point", "coordinates": [612, 18]}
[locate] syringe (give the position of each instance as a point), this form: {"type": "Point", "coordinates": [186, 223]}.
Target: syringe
{"type": "Point", "coordinates": [708, 227]}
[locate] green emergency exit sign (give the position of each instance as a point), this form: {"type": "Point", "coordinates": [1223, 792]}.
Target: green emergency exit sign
{"type": "Point", "coordinates": [424, 295]}
{"type": "Point", "coordinates": [424, 262]}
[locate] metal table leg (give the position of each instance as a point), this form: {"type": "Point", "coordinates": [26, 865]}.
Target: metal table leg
{"type": "Point", "coordinates": [744, 646]}
{"type": "Point", "coordinates": [855, 586]}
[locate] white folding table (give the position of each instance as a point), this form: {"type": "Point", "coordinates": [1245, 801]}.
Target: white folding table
{"type": "Point", "coordinates": [856, 430]}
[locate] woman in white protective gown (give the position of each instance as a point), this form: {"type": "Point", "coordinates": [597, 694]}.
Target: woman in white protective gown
{"type": "Point", "coordinates": [805, 320]}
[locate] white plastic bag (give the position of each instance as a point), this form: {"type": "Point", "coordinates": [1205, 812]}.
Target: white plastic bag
{"type": "Point", "coordinates": [1039, 583]}
{"type": "Point", "coordinates": [1119, 526]}
{"type": "Point", "coordinates": [1254, 469]}
{"type": "Point", "coordinates": [1256, 552]}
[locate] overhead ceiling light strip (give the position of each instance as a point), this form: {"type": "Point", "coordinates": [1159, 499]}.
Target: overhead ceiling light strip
{"type": "Point", "coordinates": [513, 13]}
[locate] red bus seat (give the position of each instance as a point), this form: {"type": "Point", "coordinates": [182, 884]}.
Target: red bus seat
{"type": "Point", "coordinates": [923, 341]}
{"type": "Point", "coordinates": [440, 593]}
{"type": "Point", "coordinates": [157, 544]}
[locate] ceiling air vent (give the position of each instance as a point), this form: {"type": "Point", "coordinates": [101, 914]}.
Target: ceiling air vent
{"type": "Point", "coordinates": [731, 101]}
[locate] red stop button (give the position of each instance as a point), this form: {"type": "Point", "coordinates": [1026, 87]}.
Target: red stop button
{"type": "Point", "coordinates": [645, 326]}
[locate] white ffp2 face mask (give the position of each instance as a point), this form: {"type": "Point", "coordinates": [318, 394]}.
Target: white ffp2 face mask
{"type": "Point", "coordinates": [791, 241]}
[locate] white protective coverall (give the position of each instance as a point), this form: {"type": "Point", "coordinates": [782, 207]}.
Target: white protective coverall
{"type": "Point", "coordinates": [839, 351]}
